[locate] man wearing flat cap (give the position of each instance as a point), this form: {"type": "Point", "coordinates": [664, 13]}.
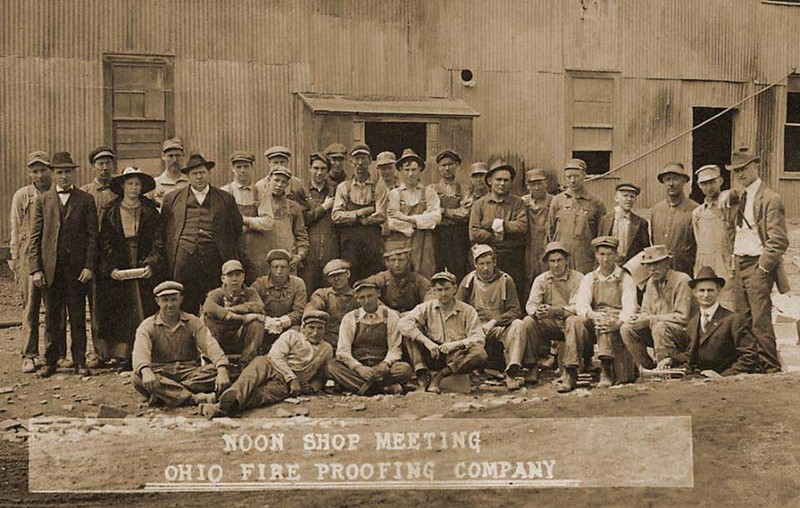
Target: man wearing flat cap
{"type": "Point", "coordinates": [605, 299]}
{"type": "Point", "coordinates": [256, 213]}
{"type": "Point", "coordinates": [279, 157]}
{"type": "Point", "coordinates": [323, 239]}
{"type": "Point", "coordinates": [493, 294]}
{"type": "Point", "coordinates": [233, 312]}
{"type": "Point", "coordinates": [671, 219]}
{"type": "Point", "coordinates": [296, 364]}
{"type": "Point", "coordinates": [202, 227]}
{"type": "Point", "coordinates": [412, 212]}
{"type": "Point", "coordinates": [451, 236]}
{"type": "Point", "coordinates": [477, 184]}
{"type": "Point", "coordinates": [337, 153]}
{"type": "Point", "coordinates": [172, 178]}
{"type": "Point", "coordinates": [337, 300]}
{"type": "Point", "coordinates": [22, 206]}
{"type": "Point", "coordinates": [284, 296]}
{"type": "Point", "coordinates": [575, 217]}
{"type": "Point", "coordinates": [358, 212]}
{"type": "Point", "coordinates": [760, 242]}
{"type": "Point", "coordinates": [101, 159]}
{"type": "Point", "coordinates": [166, 354]}
{"type": "Point", "coordinates": [62, 261]}
{"type": "Point", "coordinates": [446, 335]}
{"type": "Point", "coordinates": [622, 223]}
{"type": "Point", "coordinates": [500, 220]}
{"type": "Point", "coordinates": [401, 288]}
{"type": "Point", "coordinates": [369, 351]}
{"type": "Point", "coordinates": [549, 305]}
{"type": "Point", "coordinates": [388, 180]}
{"type": "Point", "coordinates": [712, 224]}
{"type": "Point", "coordinates": [666, 308]}
{"type": "Point", "coordinates": [537, 206]}
{"type": "Point", "coordinates": [719, 339]}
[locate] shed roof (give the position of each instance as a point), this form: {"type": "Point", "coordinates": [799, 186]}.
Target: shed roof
{"type": "Point", "coordinates": [423, 106]}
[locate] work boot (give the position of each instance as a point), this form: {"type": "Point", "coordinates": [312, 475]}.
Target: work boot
{"type": "Point", "coordinates": [569, 381]}
{"type": "Point", "coordinates": [65, 363]}
{"type": "Point", "coordinates": [532, 377]}
{"type": "Point", "coordinates": [423, 380]}
{"type": "Point", "coordinates": [436, 379]}
{"type": "Point", "coordinates": [606, 373]}
{"type": "Point", "coordinates": [549, 363]}
{"type": "Point", "coordinates": [48, 371]}
{"type": "Point", "coordinates": [28, 365]}
{"type": "Point", "coordinates": [393, 389]}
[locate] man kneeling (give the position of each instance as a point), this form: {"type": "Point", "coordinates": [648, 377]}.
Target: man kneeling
{"type": "Point", "coordinates": [445, 334]}
{"type": "Point", "coordinates": [295, 364]}
{"type": "Point", "coordinates": [369, 349]}
{"type": "Point", "coordinates": [166, 362]}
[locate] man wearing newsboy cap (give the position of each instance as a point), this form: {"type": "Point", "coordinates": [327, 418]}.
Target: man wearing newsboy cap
{"type": "Point", "coordinates": [759, 244]}
{"type": "Point", "coordinates": [172, 178]}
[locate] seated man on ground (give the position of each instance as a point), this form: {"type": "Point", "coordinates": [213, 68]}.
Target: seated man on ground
{"type": "Point", "coordinates": [401, 288]}
{"type": "Point", "coordinates": [493, 294]}
{"type": "Point", "coordinates": [166, 354]}
{"type": "Point", "coordinates": [719, 339]}
{"type": "Point", "coordinates": [667, 305]}
{"type": "Point", "coordinates": [284, 297]}
{"type": "Point", "coordinates": [445, 335]}
{"type": "Point", "coordinates": [549, 305]}
{"type": "Point", "coordinates": [605, 299]}
{"type": "Point", "coordinates": [369, 352]}
{"type": "Point", "coordinates": [233, 313]}
{"type": "Point", "coordinates": [295, 364]}
{"type": "Point", "coordinates": [337, 300]}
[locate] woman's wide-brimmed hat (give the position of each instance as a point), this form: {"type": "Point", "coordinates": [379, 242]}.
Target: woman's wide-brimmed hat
{"type": "Point", "coordinates": [118, 182]}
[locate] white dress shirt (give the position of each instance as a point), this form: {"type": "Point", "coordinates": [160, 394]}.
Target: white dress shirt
{"type": "Point", "coordinates": [64, 197]}
{"type": "Point", "coordinates": [200, 195]}
{"type": "Point", "coordinates": [747, 242]}
{"type": "Point", "coordinates": [706, 315]}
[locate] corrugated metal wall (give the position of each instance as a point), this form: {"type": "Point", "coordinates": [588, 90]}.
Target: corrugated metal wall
{"type": "Point", "coordinates": [238, 62]}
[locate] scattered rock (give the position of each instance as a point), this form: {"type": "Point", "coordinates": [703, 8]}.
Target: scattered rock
{"type": "Point", "coordinates": [68, 407]}
{"type": "Point", "coordinates": [582, 392]}
{"type": "Point", "coordinates": [111, 412]}
{"type": "Point", "coordinates": [37, 414]}
{"type": "Point", "coordinates": [56, 387]}
{"type": "Point", "coordinates": [6, 389]}
{"type": "Point", "coordinates": [463, 407]}
{"type": "Point", "coordinates": [292, 400]}
{"type": "Point", "coordinates": [10, 424]}
{"type": "Point", "coordinates": [282, 413]}
{"type": "Point", "coordinates": [42, 402]}
{"type": "Point", "coordinates": [358, 407]}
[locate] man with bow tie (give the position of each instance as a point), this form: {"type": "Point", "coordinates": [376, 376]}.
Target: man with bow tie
{"type": "Point", "coordinates": [63, 254]}
{"type": "Point", "coordinates": [719, 340]}
{"type": "Point", "coordinates": [760, 241]}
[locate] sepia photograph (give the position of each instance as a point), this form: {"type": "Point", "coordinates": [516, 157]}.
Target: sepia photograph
{"type": "Point", "coordinates": [397, 253]}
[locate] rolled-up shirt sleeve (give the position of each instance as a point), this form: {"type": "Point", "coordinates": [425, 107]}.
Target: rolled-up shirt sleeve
{"type": "Point", "coordinates": [344, 347]}
{"type": "Point", "coordinates": [536, 298]}
{"type": "Point", "coordinates": [628, 297]}
{"type": "Point", "coordinates": [433, 210]}
{"type": "Point", "coordinates": [392, 209]}
{"type": "Point", "coordinates": [411, 324]}
{"type": "Point", "coordinates": [395, 352]}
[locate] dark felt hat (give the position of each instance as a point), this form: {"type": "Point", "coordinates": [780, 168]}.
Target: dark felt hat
{"type": "Point", "coordinates": [195, 161]}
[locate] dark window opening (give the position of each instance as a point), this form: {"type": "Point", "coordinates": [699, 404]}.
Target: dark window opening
{"type": "Point", "coordinates": [711, 144]}
{"type": "Point", "coordinates": [791, 129]}
{"type": "Point", "coordinates": [396, 136]}
{"type": "Point", "coordinates": [598, 162]}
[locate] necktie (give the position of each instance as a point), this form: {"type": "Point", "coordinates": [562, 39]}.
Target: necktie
{"type": "Point", "coordinates": [706, 318]}
{"type": "Point", "coordinates": [740, 212]}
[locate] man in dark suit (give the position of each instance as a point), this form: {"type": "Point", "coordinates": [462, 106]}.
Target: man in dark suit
{"type": "Point", "coordinates": [719, 340]}
{"type": "Point", "coordinates": [202, 226]}
{"type": "Point", "coordinates": [624, 225]}
{"type": "Point", "coordinates": [62, 258]}
{"type": "Point", "coordinates": [759, 244]}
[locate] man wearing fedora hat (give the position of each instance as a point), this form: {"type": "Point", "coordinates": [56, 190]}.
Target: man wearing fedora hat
{"type": "Point", "coordinates": [167, 366]}
{"type": "Point", "coordinates": [445, 335]}
{"type": "Point", "coordinates": [296, 364]}
{"type": "Point", "coordinates": [575, 216]}
{"type": "Point", "coordinates": [412, 213]}
{"type": "Point", "coordinates": [549, 305]}
{"type": "Point", "coordinates": [760, 241]}
{"type": "Point", "coordinates": [369, 352]}
{"type": "Point", "coordinates": [400, 286]}
{"type": "Point", "coordinates": [451, 236]}
{"type": "Point", "coordinates": [22, 205]}
{"type": "Point", "coordinates": [671, 219]}
{"type": "Point", "coordinates": [358, 211]}
{"type": "Point", "coordinates": [493, 294]}
{"type": "Point", "coordinates": [719, 339]}
{"type": "Point", "coordinates": [233, 313]}
{"type": "Point", "coordinates": [712, 225]}
{"type": "Point", "coordinates": [666, 308]}
{"type": "Point", "coordinates": [171, 178]}
{"type": "Point", "coordinates": [623, 224]}
{"type": "Point", "coordinates": [323, 240]}
{"type": "Point", "coordinates": [537, 204]}
{"type": "Point", "coordinates": [202, 227]}
{"type": "Point", "coordinates": [605, 299]}
{"type": "Point", "coordinates": [62, 257]}
{"type": "Point", "coordinates": [499, 219]}
{"type": "Point", "coordinates": [337, 300]}
{"type": "Point", "coordinates": [284, 296]}
{"type": "Point", "coordinates": [256, 212]}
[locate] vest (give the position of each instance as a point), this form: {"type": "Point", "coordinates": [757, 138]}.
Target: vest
{"type": "Point", "coordinates": [198, 226]}
{"type": "Point", "coordinates": [370, 343]}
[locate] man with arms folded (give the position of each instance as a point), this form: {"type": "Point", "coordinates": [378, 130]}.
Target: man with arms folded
{"type": "Point", "coordinates": [337, 300]}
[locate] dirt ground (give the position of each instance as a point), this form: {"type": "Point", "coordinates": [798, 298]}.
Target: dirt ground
{"type": "Point", "coordinates": [746, 433]}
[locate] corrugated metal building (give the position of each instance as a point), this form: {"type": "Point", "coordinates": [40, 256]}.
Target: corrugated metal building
{"type": "Point", "coordinates": [605, 79]}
